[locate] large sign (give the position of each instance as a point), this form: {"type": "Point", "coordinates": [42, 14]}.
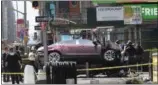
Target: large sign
{"type": "Point", "coordinates": [109, 13]}
{"type": "Point", "coordinates": [132, 14]}
{"type": "Point", "coordinates": [149, 11]}
{"type": "Point", "coordinates": [20, 28]}
{"type": "Point", "coordinates": [145, 12]}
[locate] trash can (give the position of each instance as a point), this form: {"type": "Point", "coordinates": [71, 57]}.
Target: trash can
{"type": "Point", "coordinates": [61, 73]}
{"type": "Point", "coordinates": [155, 67]}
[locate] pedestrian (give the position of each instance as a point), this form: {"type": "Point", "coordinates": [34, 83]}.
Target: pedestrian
{"type": "Point", "coordinates": [139, 52]}
{"type": "Point", "coordinates": [131, 54]}
{"type": "Point", "coordinates": [18, 54]}
{"type": "Point", "coordinates": [32, 58]}
{"type": "Point", "coordinates": [5, 68]}
{"type": "Point", "coordinates": [13, 63]}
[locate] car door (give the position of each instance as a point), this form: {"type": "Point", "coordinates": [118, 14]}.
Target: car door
{"type": "Point", "coordinates": [80, 50]}
{"type": "Point", "coordinates": [69, 47]}
{"type": "Point", "coordinates": [89, 48]}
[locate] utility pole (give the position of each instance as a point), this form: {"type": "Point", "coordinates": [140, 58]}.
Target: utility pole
{"type": "Point", "coordinates": [25, 19]}
{"type": "Point", "coordinates": [44, 35]}
{"type": "Point", "coordinates": [17, 18]}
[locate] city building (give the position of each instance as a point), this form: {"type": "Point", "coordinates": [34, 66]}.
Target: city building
{"type": "Point", "coordinates": [66, 13]}
{"type": "Point", "coordinates": [8, 23]}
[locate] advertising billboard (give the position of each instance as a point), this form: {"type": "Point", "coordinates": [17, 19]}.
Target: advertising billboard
{"type": "Point", "coordinates": [132, 14]}
{"type": "Point", "coordinates": [109, 13]}
{"type": "Point", "coordinates": [136, 14]}
{"type": "Point", "coordinates": [149, 11]}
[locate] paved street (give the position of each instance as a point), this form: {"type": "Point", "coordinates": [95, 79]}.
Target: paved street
{"type": "Point", "coordinates": [41, 79]}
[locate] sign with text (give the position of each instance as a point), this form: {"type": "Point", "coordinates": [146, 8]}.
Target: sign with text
{"type": "Point", "coordinates": [44, 18]}
{"type": "Point", "coordinates": [43, 26]}
{"type": "Point", "coordinates": [149, 11]}
{"type": "Point", "coordinates": [37, 27]}
{"type": "Point", "coordinates": [132, 14]}
{"type": "Point", "coordinates": [109, 13]}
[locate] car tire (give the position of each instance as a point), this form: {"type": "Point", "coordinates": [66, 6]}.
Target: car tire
{"type": "Point", "coordinates": [54, 56]}
{"type": "Point", "coordinates": [109, 55]}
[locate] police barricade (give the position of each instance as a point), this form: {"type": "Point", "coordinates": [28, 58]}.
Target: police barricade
{"type": "Point", "coordinates": [61, 73]}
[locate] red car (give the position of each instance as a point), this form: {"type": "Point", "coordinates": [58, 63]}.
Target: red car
{"type": "Point", "coordinates": [79, 50]}
{"type": "Point", "coordinates": [82, 51]}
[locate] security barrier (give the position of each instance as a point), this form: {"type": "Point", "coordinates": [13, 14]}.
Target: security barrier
{"type": "Point", "coordinates": [64, 72]}
{"type": "Point", "coordinates": [59, 72]}
{"type": "Point", "coordinates": [93, 69]}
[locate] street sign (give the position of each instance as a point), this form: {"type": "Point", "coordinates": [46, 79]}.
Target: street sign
{"type": "Point", "coordinates": [43, 18]}
{"type": "Point", "coordinates": [43, 26]}
{"type": "Point", "coordinates": [37, 27]}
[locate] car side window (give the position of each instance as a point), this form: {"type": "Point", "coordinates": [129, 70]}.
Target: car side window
{"type": "Point", "coordinates": [85, 42]}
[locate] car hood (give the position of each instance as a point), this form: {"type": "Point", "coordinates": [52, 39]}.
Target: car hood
{"type": "Point", "coordinates": [42, 48]}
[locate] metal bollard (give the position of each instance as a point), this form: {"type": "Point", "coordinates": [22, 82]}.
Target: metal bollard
{"type": "Point", "coordinates": [87, 72]}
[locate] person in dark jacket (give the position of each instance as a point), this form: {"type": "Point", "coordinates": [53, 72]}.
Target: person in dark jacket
{"type": "Point", "coordinates": [129, 53]}
{"type": "Point", "coordinates": [5, 68]}
{"type": "Point", "coordinates": [139, 52]}
{"type": "Point", "coordinates": [18, 53]}
{"type": "Point", "coordinates": [13, 63]}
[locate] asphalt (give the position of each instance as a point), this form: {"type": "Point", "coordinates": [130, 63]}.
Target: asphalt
{"type": "Point", "coordinates": [103, 80]}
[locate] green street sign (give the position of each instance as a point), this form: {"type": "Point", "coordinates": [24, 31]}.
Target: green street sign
{"type": "Point", "coordinates": [149, 11]}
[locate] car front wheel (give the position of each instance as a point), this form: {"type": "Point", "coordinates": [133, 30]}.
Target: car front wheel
{"type": "Point", "coordinates": [54, 57]}
{"type": "Point", "coordinates": [109, 55]}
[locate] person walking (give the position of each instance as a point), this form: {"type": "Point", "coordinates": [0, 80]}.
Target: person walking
{"type": "Point", "coordinates": [32, 58]}
{"type": "Point", "coordinates": [13, 63]}
{"type": "Point", "coordinates": [5, 68]}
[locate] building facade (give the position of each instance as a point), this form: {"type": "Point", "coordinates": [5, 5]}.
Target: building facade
{"type": "Point", "coordinates": [8, 28]}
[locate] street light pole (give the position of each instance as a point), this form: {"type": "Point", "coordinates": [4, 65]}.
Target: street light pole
{"type": "Point", "coordinates": [44, 36]}
{"type": "Point", "coordinates": [25, 19]}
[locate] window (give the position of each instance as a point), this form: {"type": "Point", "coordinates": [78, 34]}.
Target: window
{"type": "Point", "coordinates": [85, 42]}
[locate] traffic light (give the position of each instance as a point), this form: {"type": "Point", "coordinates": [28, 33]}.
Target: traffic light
{"type": "Point", "coordinates": [35, 4]}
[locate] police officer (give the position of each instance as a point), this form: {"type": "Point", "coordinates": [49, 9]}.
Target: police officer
{"type": "Point", "coordinates": [13, 63]}
{"type": "Point", "coordinates": [5, 69]}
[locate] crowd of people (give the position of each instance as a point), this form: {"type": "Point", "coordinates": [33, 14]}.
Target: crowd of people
{"type": "Point", "coordinates": [130, 54]}
{"type": "Point", "coordinates": [11, 63]}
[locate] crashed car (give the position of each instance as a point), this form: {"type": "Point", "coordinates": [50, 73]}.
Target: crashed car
{"type": "Point", "coordinates": [81, 51]}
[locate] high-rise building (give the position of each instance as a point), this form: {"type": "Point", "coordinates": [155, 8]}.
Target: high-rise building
{"type": "Point", "coordinates": [8, 28]}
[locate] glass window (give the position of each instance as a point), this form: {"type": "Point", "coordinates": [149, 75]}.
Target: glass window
{"type": "Point", "coordinates": [85, 42]}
